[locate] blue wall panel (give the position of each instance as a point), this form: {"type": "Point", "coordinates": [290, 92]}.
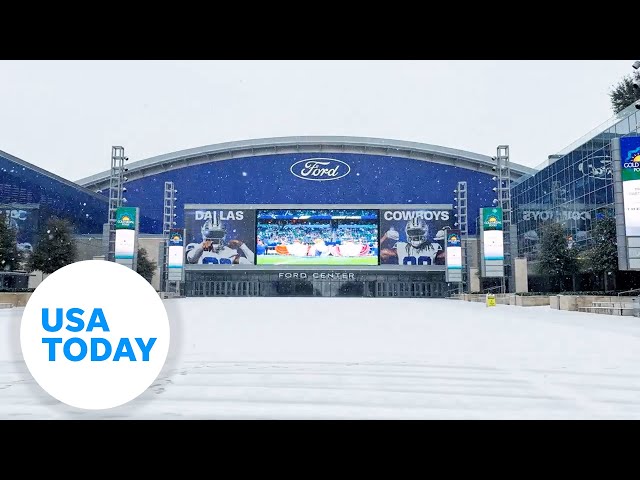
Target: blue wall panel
{"type": "Point", "coordinates": [372, 179]}
{"type": "Point", "coordinates": [21, 185]}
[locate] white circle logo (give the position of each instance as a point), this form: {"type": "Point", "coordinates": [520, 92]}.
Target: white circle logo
{"type": "Point", "coordinates": [94, 334]}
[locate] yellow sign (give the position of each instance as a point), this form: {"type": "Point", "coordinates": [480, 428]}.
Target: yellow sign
{"type": "Point", "coordinates": [491, 300]}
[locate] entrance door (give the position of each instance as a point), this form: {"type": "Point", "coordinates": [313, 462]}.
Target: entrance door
{"type": "Point", "coordinates": [419, 289]}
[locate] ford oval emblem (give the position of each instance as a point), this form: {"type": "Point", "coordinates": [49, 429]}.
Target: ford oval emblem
{"type": "Point", "coordinates": [320, 169]}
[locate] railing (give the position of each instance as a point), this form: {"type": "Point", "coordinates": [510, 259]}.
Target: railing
{"type": "Point", "coordinates": [629, 292]}
{"type": "Point", "coordinates": [489, 290]}
{"type": "Point", "coordinates": [452, 292]}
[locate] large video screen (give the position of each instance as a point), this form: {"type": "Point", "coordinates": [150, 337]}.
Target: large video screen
{"type": "Point", "coordinates": [414, 237]}
{"type": "Point", "coordinates": [219, 236]}
{"type": "Point", "coordinates": [24, 220]}
{"type": "Point", "coordinates": [317, 237]}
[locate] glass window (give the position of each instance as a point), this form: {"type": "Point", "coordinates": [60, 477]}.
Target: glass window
{"type": "Point", "coordinates": [634, 122]}
{"type": "Point", "coordinates": [622, 127]}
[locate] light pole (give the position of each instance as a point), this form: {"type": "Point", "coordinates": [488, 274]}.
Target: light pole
{"type": "Point", "coordinates": [462, 224]}
{"type": "Point", "coordinates": [445, 230]}
{"type": "Point", "coordinates": [636, 82]}
{"type": "Point", "coordinates": [478, 254]}
{"type": "Point", "coordinates": [503, 191]}
{"type": "Point", "coordinates": [169, 222]}
{"type": "Point", "coordinates": [117, 199]}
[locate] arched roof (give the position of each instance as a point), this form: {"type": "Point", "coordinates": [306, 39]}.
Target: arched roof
{"type": "Point", "coordinates": [307, 144]}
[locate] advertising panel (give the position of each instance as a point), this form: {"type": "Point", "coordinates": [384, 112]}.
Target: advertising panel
{"type": "Point", "coordinates": [492, 242]}
{"type": "Point", "coordinates": [175, 262]}
{"type": "Point", "coordinates": [317, 237]}
{"type": "Point", "coordinates": [219, 236]}
{"type": "Point", "coordinates": [126, 218]}
{"type": "Point", "coordinates": [630, 168]}
{"type": "Point", "coordinates": [125, 244]}
{"type": "Point", "coordinates": [454, 256]}
{"type": "Point", "coordinates": [126, 232]}
{"type": "Point", "coordinates": [414, 237]}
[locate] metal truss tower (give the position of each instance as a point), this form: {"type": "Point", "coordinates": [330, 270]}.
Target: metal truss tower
{"type": "Point", "coordinates": [461, 203]}
{"type": "Point", "coordinates": [503, 190]}
{"type": "Point", "coordinates": [116, 197]}
{"type": "Point", "coordinates": [168, 222]}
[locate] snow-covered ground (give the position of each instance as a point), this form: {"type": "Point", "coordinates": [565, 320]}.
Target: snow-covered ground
{"type": "Point", "coordinates": [325, 358]}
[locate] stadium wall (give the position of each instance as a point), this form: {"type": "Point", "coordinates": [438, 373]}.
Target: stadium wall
{"type": "Point", "coordinates": [269, 179]}
{"type": "Point", "coordinates": [292, 172]}
{"type": "Point", "coordinates": [29, 196]}
{"type": "Point", "coordinates": [359, 170]}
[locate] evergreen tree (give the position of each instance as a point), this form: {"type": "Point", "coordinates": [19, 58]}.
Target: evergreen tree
{"type": "Point", "coordinates": [555, 258]}
{"type": "Point", "coordinates": [623, 94]}
{"type": "Point", "coordinates": [146, 267]}
{"type": "Point", "coordinates": [55, 247]}
{"type": "Point", "coordinates": [9, 255]}
{"type": "Point", "coordinates": [602, 257]}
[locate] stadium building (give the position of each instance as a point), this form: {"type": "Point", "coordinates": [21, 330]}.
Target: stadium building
{"type": "Point", "coordinates": [326, 216]}
{"type": "Point", "coordinates": [575, 187]}
{"type": "Point", "coordinates": [29, 196]}
{"type": "Point", "coordinates": [316, 215]}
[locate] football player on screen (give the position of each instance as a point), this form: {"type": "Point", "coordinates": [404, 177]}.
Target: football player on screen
{"type": "Point", "coordinates": [417, 250]}
{"type": "Point", "coordinates": [212, 250]}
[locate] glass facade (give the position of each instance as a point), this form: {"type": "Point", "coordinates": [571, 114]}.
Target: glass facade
{"type": "Point", "coordinates": [574, 187]}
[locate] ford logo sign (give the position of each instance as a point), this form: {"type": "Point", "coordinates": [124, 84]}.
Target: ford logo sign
{"type": "Point", "coordinates": [320, 169]}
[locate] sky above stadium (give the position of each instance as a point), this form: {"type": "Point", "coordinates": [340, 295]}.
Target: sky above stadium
{"type": "Point", "coordinates": [64, 116]}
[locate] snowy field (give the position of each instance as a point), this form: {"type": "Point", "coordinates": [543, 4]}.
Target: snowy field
{"type": "Point", "coordinates": [322, 358]}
